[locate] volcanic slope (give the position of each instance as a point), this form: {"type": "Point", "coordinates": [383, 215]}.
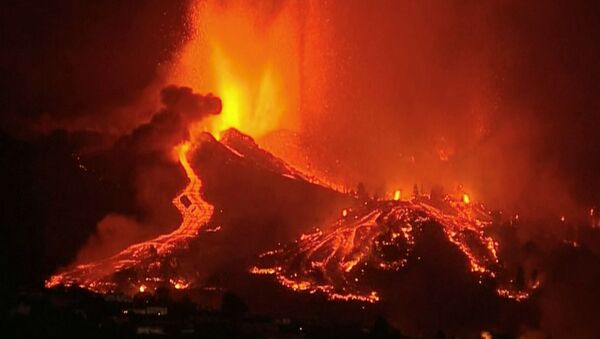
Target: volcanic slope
{"type": "Point", "coordinates": [358, 256]}
{"type": "Point", "coordinates": [239, 200]}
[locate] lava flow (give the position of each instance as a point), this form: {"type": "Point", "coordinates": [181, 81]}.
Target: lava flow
{"type": "Point", "coordinates": [382, 237]}
{"type": "Point", "coordinates": [147, 258]}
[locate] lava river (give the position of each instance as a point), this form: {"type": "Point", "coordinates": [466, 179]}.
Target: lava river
{"type": "Point", "coordinates": [147, 258]}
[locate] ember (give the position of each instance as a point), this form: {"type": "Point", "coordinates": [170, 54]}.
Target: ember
{"type": "Point", "coordinates": [466, 199]}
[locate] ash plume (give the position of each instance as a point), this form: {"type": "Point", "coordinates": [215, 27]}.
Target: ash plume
{"type": "Point", "coordinates": [168, 127]}
{"type": "Point", "coordinates": [145, 159]}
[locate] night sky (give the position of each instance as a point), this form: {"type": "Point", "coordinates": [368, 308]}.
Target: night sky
{"type": "Point", "coordinates": [63, 60]}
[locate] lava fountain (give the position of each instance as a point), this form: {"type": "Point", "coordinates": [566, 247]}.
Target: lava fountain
{"type": "Point", "coordinates": [250, 55]}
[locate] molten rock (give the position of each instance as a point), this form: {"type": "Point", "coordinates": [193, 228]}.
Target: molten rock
{"type": "Point", "coordinates": [239, 200]}
{"type": "Point", "coordinates": [347, 260]}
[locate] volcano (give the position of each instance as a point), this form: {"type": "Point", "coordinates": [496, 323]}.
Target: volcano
{"type": "Point", "coordinates": [242, 201]}
{"type": "Point", "coordinates": [431, 164]}
{"type": "Point", "coordinates": [348, 259]}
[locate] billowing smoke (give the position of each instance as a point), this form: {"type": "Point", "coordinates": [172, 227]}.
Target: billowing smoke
{"type": "Point", "coordinates": [145, 160]}
{"type": "Point", "coordinates": [167, 128]}
{"type": "Point", "coordinates": [113, 233]}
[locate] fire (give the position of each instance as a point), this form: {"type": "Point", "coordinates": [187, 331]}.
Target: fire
{"type": "Point", "coordinates": [250, 58]}
{"type": "Point", "coordinates": [397, 195]}
{"type": "Point", "coordinates": [142, 288]}
{"type": "Point", "coordinates": [179, 284]}
{"type": "Point", "coordinates": [257, 113]}
{"type": "Point", "coordinates": [515, 295]}
{"type": "Point", "coordinates": [466, 199]}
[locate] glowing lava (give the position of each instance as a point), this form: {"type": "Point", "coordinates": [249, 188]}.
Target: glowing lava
{"type": "Point", "coordinates": [146, 258]}
{"type": "Point", "coordinates": [466, 199]}
{"type": "Point", "coordinates": [382, 237]}
{"type": "Point", "coordinates": [249, 55]}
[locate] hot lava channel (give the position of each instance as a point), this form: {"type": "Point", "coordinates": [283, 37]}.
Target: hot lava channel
{"type": "Point", "coordinates": [149, 256]}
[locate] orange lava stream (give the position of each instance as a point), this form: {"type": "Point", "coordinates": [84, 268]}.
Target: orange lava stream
{"type": "Point", "coordinates": [196, 213]}
{"type": "Point", "coordinates": [336, 262]}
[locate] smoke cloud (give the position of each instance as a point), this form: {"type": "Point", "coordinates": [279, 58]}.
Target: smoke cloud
{"type": "Point", "coordinates": [167, 128]}
{"type": "Point", "coordinates": [147, 163]}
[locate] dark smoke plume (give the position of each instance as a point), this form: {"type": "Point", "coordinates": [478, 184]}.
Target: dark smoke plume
{"type": "Point", "coordinates": [168, 127]}
{"type": "Point", "coordinates": [144, 159]}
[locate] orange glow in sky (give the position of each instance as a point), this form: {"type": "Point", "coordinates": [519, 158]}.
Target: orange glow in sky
{"type": "Point", "coordinates": [248, 55]}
